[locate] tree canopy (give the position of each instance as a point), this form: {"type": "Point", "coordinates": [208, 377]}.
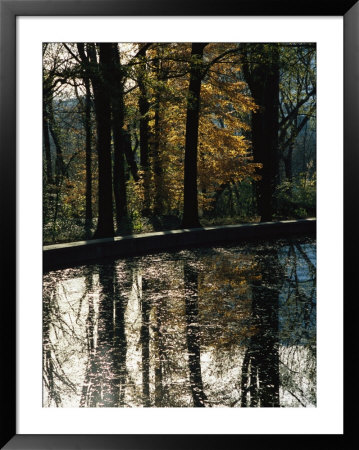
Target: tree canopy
{"type": "Point", "coordinates": [149, 136]}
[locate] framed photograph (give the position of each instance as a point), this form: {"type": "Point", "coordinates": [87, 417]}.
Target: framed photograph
{"type": "Point", "coordinates": [238, 107]}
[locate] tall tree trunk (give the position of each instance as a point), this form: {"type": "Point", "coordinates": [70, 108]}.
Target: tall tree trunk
{"type": "Point", "coordinates": [103, 120]}
{"type": "Point", "coordinates": [157, 167]}
{"type": "Point", "coordinates": [88, 221]}
{"type": "Point", "coordinates": [144, 107]}
{"type": "Point", "coordinates": [263, 81]}
{"type": "Point", "coordinates": [60, 169]}
{"type": "Point", "coordinates": [155, 151]}
{"type": "Point", "coordinates": [288, 163]}
{"type": "Point", "coordinates": [190, 207]}
{"type": "Point", "coordinates": [130, 156]}
{"type": "Point", "coordinates": [88, 131]}
{"type": "Point", "coordinates": [118, 119]}
{"type": "Point", "coordinates": [290, 142]}
{"type": "Point", "coordinates": [46, 137]}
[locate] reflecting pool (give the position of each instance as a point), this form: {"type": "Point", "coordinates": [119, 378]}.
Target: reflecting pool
{"type": "Point", "coordinates": [226, 326]}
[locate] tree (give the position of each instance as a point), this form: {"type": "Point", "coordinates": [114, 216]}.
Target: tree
{"type": "Point", "coordinates": [144, 129]}
{"type": "Point", "coordinates": [88, 131]}
{"type": "Point", "coordinates": [261, 72]}
{"type": "Point", "coordinates": [190, 199]}
{"type": "Point", "coordinates": [118, 118]}
{"type": "Point", "coordinates": [193, 336]}
{"type": "Point", "coordinates": [260, 369]}
{"type": "Point", "coordinates": [53, 78]}
{"type": "Point", "coordinates": [45, 125]}
{"type": "Point", "coordinates": [101, 87]}
{"type": "Point", "coordinates": [47, 149]}
{"type": "Point", "coordinates": [222, 150]}
{"type": "Point", "coordinates": [297, 100]}
{"type": "Point", "coordinates": [182, 130]}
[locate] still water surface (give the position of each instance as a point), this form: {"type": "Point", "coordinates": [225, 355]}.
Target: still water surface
{"type": "Point", "coordinates": [210, 327]}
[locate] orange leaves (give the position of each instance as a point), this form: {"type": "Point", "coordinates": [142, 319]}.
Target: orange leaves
{"type": "Point", "coordinates": [223, 148]}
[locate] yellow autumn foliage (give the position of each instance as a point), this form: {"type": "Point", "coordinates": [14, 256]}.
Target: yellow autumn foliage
{"type": "Point", "coordinates": [223, 150]}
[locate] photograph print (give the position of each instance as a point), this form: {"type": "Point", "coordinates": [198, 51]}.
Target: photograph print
{"type": "Point", "coordinates": [188, 144]}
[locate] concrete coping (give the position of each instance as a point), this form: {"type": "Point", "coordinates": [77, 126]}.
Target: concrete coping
{"type": "Point", "coordinates": [92, 251]}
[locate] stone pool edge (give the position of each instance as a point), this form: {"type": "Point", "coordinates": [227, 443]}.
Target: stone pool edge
{"type": "Point", "coordinates": [75, 253]}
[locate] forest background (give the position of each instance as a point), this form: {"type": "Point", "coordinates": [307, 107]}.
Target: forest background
{"type": "Point", "coordinates": [152, 136]}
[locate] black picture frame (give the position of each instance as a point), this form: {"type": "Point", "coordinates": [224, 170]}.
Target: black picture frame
{"type": "Point", "coordinates": [9, 10]}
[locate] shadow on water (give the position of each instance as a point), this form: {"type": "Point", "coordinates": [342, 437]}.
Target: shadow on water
{"type": "Point", "coordinates": [223, 326]}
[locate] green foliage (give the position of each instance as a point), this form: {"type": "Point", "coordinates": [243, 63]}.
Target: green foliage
{"type": "Point", "coordinates": [297, 199]}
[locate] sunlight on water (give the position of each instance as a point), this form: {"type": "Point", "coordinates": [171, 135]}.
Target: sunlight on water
{"type": "Point", "coordinates": [214, 327]}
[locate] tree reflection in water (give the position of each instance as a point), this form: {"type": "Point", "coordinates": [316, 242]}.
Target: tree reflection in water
{"type": "Point", "coordinates": [145, 341]}
{"type": "Point", "coordinates": [223, 326]}
{"type": "Point", "coordinates": [106, 371]}
{"type": "Point", "coordinates": [260, 370]}
{"type": "Point", "coordinates": [193, 335]}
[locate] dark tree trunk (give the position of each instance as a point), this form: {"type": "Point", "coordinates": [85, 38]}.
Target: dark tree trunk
{"type": "Point", "coordinates": [144, 108]}
{"type": "Point", "coordinates": [130, 157]}
{"type": "Point", "coordinates": [157, 165]}
{"type": "Point", "coordinates": [155, 140]}
{"type": "Point", "coordinates": [288, 163]}
{"type": "Point", "coordinates": [118, 119]}
{"type": "Point", "coordinates": [46, 97]}
{"type": "Point", "coordinates": [88, 131]}
{"type": "Point", "coordinates": [45, 128]}
{"type": "Point", "coordinates": [103, 120]}
{"type": "Point", "coordinates": [288, 144]}
{"type": "Point", "coordinates": [263, 81]}
{"type": "Point", "coordinates": [190, 207]}
{"type": "Point", "coordinates": [60, 169]}
{"type": "Point", "coordinates": [88, 221]}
